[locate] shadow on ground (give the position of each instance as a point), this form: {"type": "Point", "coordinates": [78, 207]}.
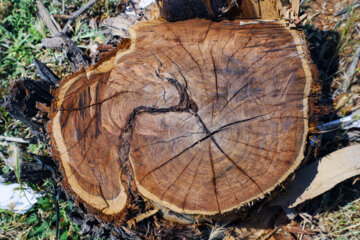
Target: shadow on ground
{"type": "Point", "coordinates": [323, 46]}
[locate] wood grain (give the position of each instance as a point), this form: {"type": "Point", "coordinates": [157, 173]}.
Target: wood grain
{"type": "Point", "coordinates": [203, 116]}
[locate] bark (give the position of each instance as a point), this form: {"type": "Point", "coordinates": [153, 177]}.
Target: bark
{"type": "Point", "coordinates": [173, 10]}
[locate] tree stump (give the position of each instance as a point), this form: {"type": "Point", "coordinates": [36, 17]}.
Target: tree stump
{"type": "Point", "coordinates": [200, 117]}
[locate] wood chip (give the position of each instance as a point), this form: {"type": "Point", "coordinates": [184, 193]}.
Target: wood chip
{"type": "Point", "coordinates": [321, 176]}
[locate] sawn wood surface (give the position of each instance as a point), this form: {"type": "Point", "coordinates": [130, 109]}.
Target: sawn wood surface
{"type": "Point", "coordinates": [202, 117]}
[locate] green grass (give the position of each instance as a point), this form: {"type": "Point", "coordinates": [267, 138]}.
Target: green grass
{"type": "Point", "coordinates": [20, 37]}
{"type": "Point", "coordinates": [19, 34]}
{"type": "Point", "coordinates": [40, 221]}
{"type": "Point", "coordinates": [345, 222]}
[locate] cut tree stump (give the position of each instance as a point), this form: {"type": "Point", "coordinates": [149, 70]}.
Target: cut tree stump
{"type": "Point", "coordinates": [200, 117]}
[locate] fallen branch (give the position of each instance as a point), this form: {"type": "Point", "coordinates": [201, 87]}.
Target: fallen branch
{"type": "Point", "coordinates": [76, 14]}
{"type": "Point", "coordinates": [50, 22]}
{"type": "Point", "coordinates": [351, 70]}
{"type": "Point", "coordinates": [351, 121]}
{"type": "Point", "coordinates": [345, 10]}
{"type": "Point", "coordinates": [76, 57]}
{"type": "Point", "coordinates": [59, 40]}
{"type": "Point", "coordinates": [13, 139]}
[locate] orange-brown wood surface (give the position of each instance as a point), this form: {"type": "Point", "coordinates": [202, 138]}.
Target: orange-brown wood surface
{"type": "Point", "coordinates": [202, 116]}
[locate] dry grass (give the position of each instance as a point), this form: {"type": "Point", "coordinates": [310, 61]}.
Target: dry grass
{"type": "Point", "coordinates": [337, 213]}
{"type": "Point", "coordinates": [217, 232]}
{"type": "Point", "coordinates": [345, 222]}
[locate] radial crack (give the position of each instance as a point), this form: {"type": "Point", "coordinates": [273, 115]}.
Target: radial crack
{"type": "Point", "coordinates": [233, 162]}
{"type": "Point", "coordinates": [177, 155]}
{"type": "Point", "coordinates": [213, 177]}
{"type": "Point", "coordinates": [215, 74]}
{"type": "Point", "coordinates": [222, 151]}
{"type": "Point", "coordinates": [182, 171]}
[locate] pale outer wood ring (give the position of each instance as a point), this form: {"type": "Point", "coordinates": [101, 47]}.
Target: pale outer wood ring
{"type": "Point", "coordinates": [109, 207]}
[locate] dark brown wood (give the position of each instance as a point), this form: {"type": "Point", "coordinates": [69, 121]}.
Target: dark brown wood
{"type": "Point", "coordinates": [76, 14]}
{"type": "Point", "coordinates": [173, 10]}
{"type": "Point", "coordinates": [23, 97]}
{"type": "Point", "coordinates": [29, 100]}
{"type": "Point", "coordinates": [200, 117]}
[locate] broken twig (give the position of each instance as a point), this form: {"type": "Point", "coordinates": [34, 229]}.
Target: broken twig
{"type": "Point", "coordinates": [351, 70]}
{"type": "Point", "coordinates": [50, 22]}
{"type": "Point", "coordinates": [13, 139]}
{"type": "Point", "coordinates": [351, 121]}
{"type": "Point", "coordinates": [46, 74]}
{"type": "Point", "coordinates": [345, 10]}
{"type": "Point", "coordinates": [76, 14]}
{"type": "Point", "coordinates": [76, 57]}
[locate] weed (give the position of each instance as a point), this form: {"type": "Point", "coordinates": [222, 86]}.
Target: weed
{"type": "Point", "coordinates": [18, 38]}
{"type": "Point", "coordinates": [21, 33]}
{"type": "Point", "coordinates": [39, 222]}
